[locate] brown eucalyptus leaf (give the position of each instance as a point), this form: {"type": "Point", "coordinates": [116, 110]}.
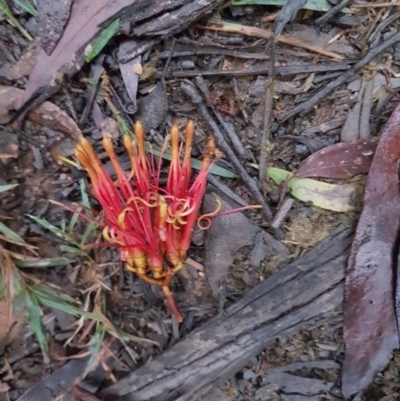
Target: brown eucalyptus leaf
{"type": "Point", "coordinates": [53, 16]}
{"type": "Point", "coordinates": [341, 160]}
{"type": "Point", "coordinates": [369, 328]}
{"type": "Point", "coordinates": [47, 114]}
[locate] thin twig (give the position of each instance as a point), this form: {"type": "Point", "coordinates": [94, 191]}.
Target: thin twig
{"type": "Point", "coordinates": [269, 104]}
{"type": "Point", "coordinates": [282, 212]}
{"type": "Point", "coordinates": [228, 128]}
{"type": "Point", "coordinates": [376, 5]}
{"type": "Point", "coordinates": [238, 101]}
{"type": "Point", "coordinates": [171, 52]}
{"type": "Point", "coordinates": [226, 190]}
{"type": "Point", "coordinates": [388, 19]}
{"type": "Point", "coordinates": [362, 39]}
{"type": "Point", "coordinates": [97, 70]}
{"type": "Point", "coordinates": [195, 96]}
{"type": "Point", "coordinates": [282, 70]}
{"type": "Point", "coordinates": [267, 34]}
{"type": "Point", "coordinates": [332, 12]}
{"type": "Point", "coordinates": [308, 106]}
{"type": "Point", "coordinates": [365, 129]}
{"type": "Point", "coordinates": [138, 51]}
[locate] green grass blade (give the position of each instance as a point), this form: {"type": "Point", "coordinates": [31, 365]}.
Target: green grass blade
{"type": "Point", "coordinates": [12, 20]}
{"type": "Point", "coordinates": [55, 230]}
{"type": "Point", "coordinates": [102, 40]}
{"type": "Point", "coordinates": [84, 195]}
{"type": "Point", "coordinates": [44, 291]}
{"type": "Point", "coordinates": [91, 228]}
{"type": "Point", "coordinates": [48, 297]}
{"type": "Point", "coordinates": [11, 234]}
{"type": "Point", "coordinates": [85, 202]}
{"type": "Point", "coordinates": [26, 6]}
{"type": "Point", "coordinates": [35, 321]}
{"type": "Point", "coordinates": [73, 221]}
{"type": "Point", "coordinates": [42, 263]}
{"type": "Point", "coordinates": [7, 187]}
{"type": "Point", "coordinates": [71, 249]}
{"type": "Point", "coordinates": [95, 344]}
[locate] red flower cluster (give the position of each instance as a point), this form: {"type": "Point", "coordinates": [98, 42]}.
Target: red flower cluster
{"type": "Point", "coordinates": [151, 225]}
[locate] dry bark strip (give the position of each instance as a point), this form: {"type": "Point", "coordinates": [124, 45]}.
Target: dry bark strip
{"type": "Point", "coordinates": [302, 293]}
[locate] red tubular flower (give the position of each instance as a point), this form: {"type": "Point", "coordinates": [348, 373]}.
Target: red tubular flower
{"type": "Point", "coordinates": [151, 225]}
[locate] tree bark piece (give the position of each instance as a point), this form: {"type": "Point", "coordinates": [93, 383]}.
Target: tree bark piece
{"type": "Point", "coordinates": [302, 293]}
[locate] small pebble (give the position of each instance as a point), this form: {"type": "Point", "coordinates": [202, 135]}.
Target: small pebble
{"type": "Point", "coordinates": [187, 64]}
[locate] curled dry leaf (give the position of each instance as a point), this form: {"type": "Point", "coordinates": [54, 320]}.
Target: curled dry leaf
{"type": "Point", "coordinates": [341, 160]}
{"type": "Point", "coordinates": [130, 71]}
{"type": "Point", "coordinates": [47, 114]}
{"type": "Point", "coordinates": [370, 330]}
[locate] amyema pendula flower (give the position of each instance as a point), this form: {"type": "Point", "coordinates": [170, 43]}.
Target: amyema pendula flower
{"type": "Point", "coordinates": [150, 225]}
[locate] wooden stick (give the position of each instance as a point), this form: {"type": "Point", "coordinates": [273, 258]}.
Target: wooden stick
{"type": "Point", "coordinates": [266, 34]}
{"type": "Point", "coordinates": [375, 5]}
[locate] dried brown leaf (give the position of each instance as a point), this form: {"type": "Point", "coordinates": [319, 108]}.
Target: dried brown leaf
{"type": "Point", "coordinates": [370, 329]}
{"type": "Point", "coordinates": [130, 71]}
{"type": "Point", "coordinates": [341, 160]}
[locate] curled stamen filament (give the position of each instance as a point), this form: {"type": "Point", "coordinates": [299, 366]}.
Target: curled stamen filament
{"type": "Point", "coordinates": [108, 238]}
{"type": "Point", "coordinates": [142, 201]}
{"type": "Point", "coordinates": [121, 217]}
{"type": "Point", "coordinates": [206, 217]}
